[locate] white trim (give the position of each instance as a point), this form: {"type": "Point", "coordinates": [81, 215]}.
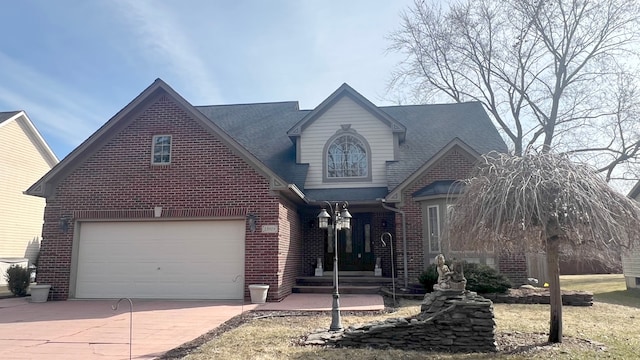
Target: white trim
{"type": "Point", "coordinates": [429, 232]}
{"type": "Point", "coordinates": [325, 158]}
{"type": "Point", "coordinates": [346, 90]}
{"type": "Point", "coordinates": [153, 149]}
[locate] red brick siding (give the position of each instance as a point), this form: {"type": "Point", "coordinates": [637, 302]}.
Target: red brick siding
{"type": "Point", "coordinates": [514, 266]}
{"type": "Point", "coordinates": [455, 164]}
{"type": "Point", "coordinates": [204, 174]}
{"type": "Point", "coordinates": [384, 252]}
{"type": "Point", "coordinates": [290, 250]}
{"type": "Point", "coordinates": [314, 242]}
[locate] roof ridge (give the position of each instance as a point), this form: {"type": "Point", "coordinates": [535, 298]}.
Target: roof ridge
{"type": "Point", "coordinates": [438, 104]}
{"type": "Point", "coordinates": [257, 103]}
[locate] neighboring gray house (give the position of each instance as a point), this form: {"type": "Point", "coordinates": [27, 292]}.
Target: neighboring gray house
{"type": "Point", "coordinates": [631, 261]}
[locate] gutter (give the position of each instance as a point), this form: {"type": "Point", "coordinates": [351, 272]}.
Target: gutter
{"type": "Point", "coordinates": [297, 191]}
{"type": "Point", "coordinates": [404, 238]}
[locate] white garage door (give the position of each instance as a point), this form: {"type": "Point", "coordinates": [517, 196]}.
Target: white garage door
{"type": "Point", "coordinates": [161, 260]}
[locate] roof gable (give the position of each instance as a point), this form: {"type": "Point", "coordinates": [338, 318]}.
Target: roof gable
{"type": "Point", "coordinates": [433, 127]}
{"type": "Point", "coordinates": [346, 91]}
{"type": "Point", "coordinates": [32, 133]}
{"type": "Point", "coordinates": [261, 134]}
{"type": "Point", "coordinates": [396, 194]}
{"type": "Point", "coordinates": [44, 186]}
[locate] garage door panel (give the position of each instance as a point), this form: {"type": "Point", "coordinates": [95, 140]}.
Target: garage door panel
{"type": "Point", "coordinates": [168, 259]}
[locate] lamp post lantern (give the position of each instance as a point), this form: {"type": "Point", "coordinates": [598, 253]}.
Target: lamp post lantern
{"type": "Point", "coordinates": [341, 219]}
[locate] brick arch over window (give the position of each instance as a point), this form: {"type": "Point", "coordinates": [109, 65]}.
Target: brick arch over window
{"type": "Point", "coordinates": [346, 157]}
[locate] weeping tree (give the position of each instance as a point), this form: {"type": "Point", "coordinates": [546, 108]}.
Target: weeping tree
{"type": "Point", "coordinates": [543, 202]}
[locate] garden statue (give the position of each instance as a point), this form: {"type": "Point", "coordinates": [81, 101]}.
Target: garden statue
{"type": "Point", "coordinates": [319, 270]}
{"type": "Point", "coordinates": [377, 271]}
{"type": "Point", "coordinates": [448, 279]}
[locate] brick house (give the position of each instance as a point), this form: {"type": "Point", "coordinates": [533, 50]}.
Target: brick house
{"type": "Point", "coordinates": [171, 200]}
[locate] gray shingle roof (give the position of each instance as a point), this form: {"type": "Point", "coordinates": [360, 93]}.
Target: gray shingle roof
{"type": "Point", "coordinates": [262, 130]}
{"type": "Point", "coordinates": [431, 127]}
{"type": "Point", "coordinates": [7, 115]}
{"type": "Point", "coordinates": [441, 187]}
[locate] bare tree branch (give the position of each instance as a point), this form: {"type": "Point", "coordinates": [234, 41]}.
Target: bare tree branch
{"type": "Point", "coordinates": [547, 71]}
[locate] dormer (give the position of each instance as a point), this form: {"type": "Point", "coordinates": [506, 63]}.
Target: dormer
{"type": "Point", "coordinates": [347, 141]}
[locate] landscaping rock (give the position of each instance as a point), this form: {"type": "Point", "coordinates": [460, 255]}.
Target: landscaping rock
{"type": "Point", "coordinates": [450, 320]}
{"type": "Point", "coordinates": [541, 296]}
{"type": "Point", "coordinates": [526, 294]}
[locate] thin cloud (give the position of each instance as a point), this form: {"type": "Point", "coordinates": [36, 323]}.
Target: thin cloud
{"type": "Point", "coordinates": [162, 37]}
{"type": "Point", "coordinates": [56, 109]}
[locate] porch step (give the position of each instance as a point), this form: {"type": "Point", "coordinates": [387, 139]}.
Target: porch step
{"type": "Point", "coordinates": [350, 273]}
{"type": "Point", "coordinates": [343, 280]}
{"type": "Point", "coordinates": [346, 289]}
{"type": "Point", "coordinates": [347, 284]}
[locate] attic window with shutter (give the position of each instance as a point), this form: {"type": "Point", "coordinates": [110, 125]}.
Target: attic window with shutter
{"type": "Point", "coordinates": [161, 150]}
{"type": "Point", "coordinates": [347, 157]}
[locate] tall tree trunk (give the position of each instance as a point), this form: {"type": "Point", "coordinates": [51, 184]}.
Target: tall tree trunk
{"type": "Point", "coordinates": [553, 265]}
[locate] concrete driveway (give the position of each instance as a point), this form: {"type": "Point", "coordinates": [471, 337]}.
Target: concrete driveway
{"type": "Point", "coordinates": [92, 330]}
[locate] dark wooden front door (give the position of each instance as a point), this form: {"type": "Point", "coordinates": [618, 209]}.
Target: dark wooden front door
{"type": "Point", "coordinates": [355, 250]}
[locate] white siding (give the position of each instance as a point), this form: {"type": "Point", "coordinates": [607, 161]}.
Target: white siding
{"type": "Point", "coordinates": [631, 265]}
{"type": "Point", "coordinates": [346, 111]}
{"type": "Point", "coordinates": [21, 216]}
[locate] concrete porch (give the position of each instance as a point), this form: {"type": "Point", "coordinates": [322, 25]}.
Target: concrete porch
{"type": "Point", "coordinates": [349, 282]}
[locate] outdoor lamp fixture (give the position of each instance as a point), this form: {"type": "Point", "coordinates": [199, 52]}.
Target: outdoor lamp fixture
{"type": "Point", "coordinates": [340, 219]}
{"type": "Point", "coordinates": [63, 224]}
{"type": "Point", "coordinates": [253, 219]}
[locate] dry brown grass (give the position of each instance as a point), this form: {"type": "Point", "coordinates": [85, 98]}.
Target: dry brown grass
{"type": "Point", "coordinates": [602, 331]}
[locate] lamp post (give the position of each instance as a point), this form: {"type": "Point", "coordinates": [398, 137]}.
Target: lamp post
{"type": "Point", "coordinates": [341, 220]}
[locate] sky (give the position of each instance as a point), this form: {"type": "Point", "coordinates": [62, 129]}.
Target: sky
{"type": "Point", "coordinates": [73, 64]}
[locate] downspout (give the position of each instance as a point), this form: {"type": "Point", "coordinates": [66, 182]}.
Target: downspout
{"type": "Point", "coordinates": [404, 239]}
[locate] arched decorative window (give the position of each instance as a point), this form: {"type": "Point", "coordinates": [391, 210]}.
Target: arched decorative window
{"type": "Point", "coordinates": [347, 157]}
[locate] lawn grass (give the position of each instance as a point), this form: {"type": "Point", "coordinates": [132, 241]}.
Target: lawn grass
{"type": "Point", "coordinates": [615, 327]}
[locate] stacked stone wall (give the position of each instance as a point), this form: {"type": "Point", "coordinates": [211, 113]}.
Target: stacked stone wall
{"type": "Point", "coordinates": [451, 321]}
{"type": "Point", "coordinates": [521, 296]}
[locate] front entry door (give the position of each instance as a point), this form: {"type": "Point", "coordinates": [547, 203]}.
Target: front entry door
{"type": "Point", "coordinates": [355, 250]}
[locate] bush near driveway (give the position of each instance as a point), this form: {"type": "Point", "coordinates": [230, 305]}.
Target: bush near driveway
{"type": "Point", "coordinates": [18, 279]}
